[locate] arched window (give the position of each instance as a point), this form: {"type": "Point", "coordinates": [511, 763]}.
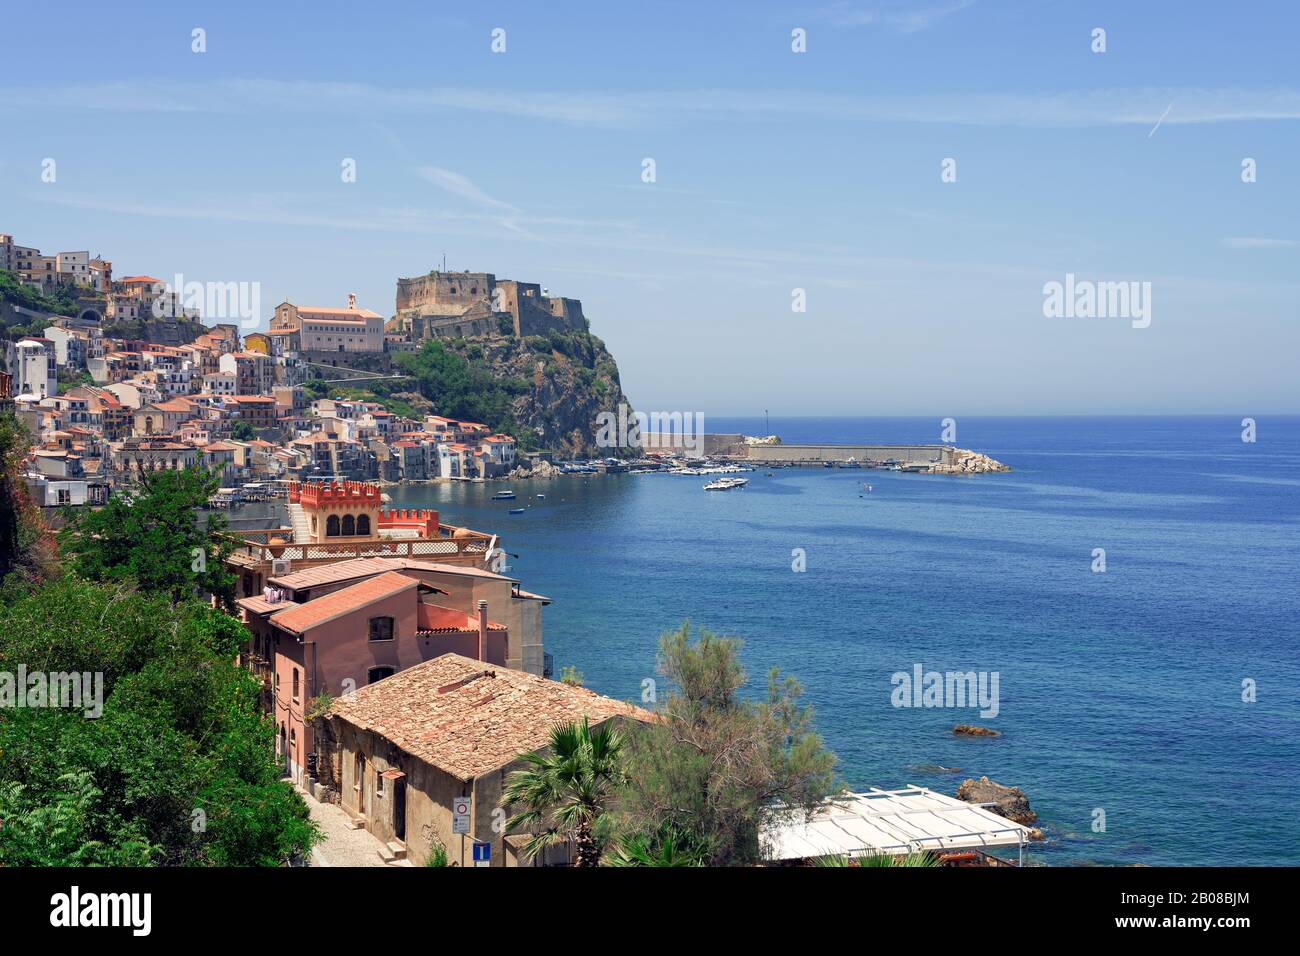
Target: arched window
{"type": "Point", "coordinates": [295, 683]}
{"type": "Point", "coordinates": [349, 526]}
{"type": "Point", "coordinates": [363, 524]}
{"type": "Point", "coordinates": [378, 673]}
{"type": "Point", "coordinates": [332, 526]}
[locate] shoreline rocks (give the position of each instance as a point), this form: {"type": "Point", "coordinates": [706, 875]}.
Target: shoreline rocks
{"type": "Point", "coordinates": [1009, 802]}
{"type": "Point", "coordinates": [541, 469]}
{"type": "Point", "coordinates": [967, 462]}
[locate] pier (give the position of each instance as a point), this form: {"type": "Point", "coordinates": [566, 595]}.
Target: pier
{"type": "Point", "coordinates": [818, 456]}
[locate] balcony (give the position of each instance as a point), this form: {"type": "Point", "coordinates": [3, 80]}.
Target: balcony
{"type": "Point", "coordinates": [452, 546]}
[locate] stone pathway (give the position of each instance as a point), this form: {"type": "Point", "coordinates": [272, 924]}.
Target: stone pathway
{"type": "Point", "coordinates": [342, 845]}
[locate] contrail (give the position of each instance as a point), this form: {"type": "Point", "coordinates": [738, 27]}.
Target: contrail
{"type": "Point", "coordinates": [1159, 121]}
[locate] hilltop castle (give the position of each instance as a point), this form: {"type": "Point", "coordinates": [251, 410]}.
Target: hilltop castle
{"type": "Point", "coordinates": [461, 304]}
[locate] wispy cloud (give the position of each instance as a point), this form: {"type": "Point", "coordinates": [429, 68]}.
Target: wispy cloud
{"type": "Point", "coordinates": [1064, 108]}
{"type": "Point", "coordinates": [1255, 242]}
{"type": "Point", "coordinates": [901, 16]}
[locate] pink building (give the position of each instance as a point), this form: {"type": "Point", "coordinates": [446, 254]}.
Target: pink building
{"type": "Point", "coordinates": [328, 633]}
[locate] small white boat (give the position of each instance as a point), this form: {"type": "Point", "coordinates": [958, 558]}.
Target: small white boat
{"type": "Point", "coordinates": [504, 496]}
{"type": "Point", "coordinates": [726, 484]}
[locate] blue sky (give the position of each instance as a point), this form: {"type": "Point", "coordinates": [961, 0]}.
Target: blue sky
{"type": "Point", "coordinates": [774, 171]}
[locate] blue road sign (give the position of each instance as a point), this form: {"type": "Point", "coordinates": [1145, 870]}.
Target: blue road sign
{"type": "Point", "coordinates": [482, 852]}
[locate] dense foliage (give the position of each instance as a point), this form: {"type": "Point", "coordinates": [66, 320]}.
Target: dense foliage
{"type": "Point", "coordinates": [718, 766]}
{"type": "Point", "coordinates": [153, 539]}
{"type": "Point", "coordinates": [694, 787]}
{"type": "Point", "coordinates": [459, 389]}
{"type": "Point", "coordinates": [61, 301]}
{"type": "Point", "coordinates": [178, 769]}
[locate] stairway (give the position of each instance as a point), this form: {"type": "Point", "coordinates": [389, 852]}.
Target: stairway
{"type": "Point", "coordinates": [393, 853]}
{"type": "Point", "coordinates": [299, 522]}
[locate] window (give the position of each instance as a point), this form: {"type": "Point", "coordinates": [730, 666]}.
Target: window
{"type": "Point", "coordinates": [381, 628]}
{"type": "Point", "coordinates": [363, 524]}
{"type": "Point", "coordinates": [378, 673]}
{"type": "Point", "coordinates": [295, 683]}
{"type": "Point", "coordinates": [349, 526]}
{"type": "Point", "coordinates": [332, 526]}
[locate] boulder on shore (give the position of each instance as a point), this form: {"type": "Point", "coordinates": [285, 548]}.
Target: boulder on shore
{"type": "Point", "coordinates": [1009, 802]}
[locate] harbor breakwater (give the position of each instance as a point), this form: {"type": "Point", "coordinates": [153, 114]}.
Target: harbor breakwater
{"type": "Point", "coordinates": [922, 458]}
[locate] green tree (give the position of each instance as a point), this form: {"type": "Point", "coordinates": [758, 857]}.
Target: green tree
{"type": "Point", "coordinates": [242, 431]}
{"type": "Point", "coordinates": [717, 767]}
{"type": "Point", "coordinates": [566, 790]}
{"type": "Point", "coordinates": [172, 763]}
{"type": "Point", "coordinates": [154, 538]}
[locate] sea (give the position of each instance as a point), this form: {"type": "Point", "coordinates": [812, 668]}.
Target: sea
{"type": "Point", "coordinates": [1132, 583]}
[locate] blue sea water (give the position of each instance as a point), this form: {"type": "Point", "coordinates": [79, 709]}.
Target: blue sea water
{"type": "Point", "coordinates": [1120, 692]}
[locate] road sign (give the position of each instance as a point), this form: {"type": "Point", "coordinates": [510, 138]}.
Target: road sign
{"type": "Point", "coordinates": [460, 815]}
{"type": "Point", "coordinates": [482, 854]}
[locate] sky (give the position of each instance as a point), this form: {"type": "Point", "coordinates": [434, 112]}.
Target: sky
{"type": "Point", "coordinates": [774, 171]}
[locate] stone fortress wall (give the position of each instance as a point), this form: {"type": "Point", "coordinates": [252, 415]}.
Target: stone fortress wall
{"type": "Point", "coordinates": [461, 304]}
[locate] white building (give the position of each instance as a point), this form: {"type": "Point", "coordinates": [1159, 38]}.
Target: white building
{"type": "Point", "coordinates": [35, 368]}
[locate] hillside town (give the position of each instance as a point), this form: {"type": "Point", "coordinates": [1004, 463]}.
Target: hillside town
{"type": "Point", "coordinates": [103, 408]}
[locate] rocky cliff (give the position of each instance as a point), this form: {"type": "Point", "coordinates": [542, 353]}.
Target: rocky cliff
{"type": "Point", "coordinates": [545, 389]}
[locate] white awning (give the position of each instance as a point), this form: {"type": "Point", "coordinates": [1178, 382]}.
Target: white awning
{"type": "Point", "coordinates": [893, 822]}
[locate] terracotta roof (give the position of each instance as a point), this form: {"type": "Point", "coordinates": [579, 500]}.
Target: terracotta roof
{"type": "Point", "coordinates": [435, 619]}
{"type": "Point", "coordinates": [322, 610]}
{"type": "Point", "coordinates": [175, 405]}
{"type": "Point", "coordinates": [469, 718]}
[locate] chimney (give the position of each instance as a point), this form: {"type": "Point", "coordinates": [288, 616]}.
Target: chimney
{"type": "Point", "coordinates": [482, 630]}
{"type": "Point", "coordinates": [352, 300]}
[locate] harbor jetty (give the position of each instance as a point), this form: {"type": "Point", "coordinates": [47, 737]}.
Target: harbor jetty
{"type": "Point", "coordinates": [771, 452]}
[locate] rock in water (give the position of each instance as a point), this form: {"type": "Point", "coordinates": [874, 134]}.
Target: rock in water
{"type": "Point", "coordinates": [1009, 802]}
{"type": "Point", "coordinates": [970, 730]}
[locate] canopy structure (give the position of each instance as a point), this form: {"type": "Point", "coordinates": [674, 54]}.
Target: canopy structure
{"type": "Point", "coordinates": [893, 822]}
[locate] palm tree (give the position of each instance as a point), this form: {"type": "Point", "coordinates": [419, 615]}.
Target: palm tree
{"type": "Point", "coordinates": [564, 791]}
{"type": "Point", "coordinates": [917, 859]}
{"type": "Point", "coordinates": [668, 847]}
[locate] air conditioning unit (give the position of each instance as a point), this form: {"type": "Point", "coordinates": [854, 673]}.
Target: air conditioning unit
{"type": "Point", "coordinates": [280, 567]}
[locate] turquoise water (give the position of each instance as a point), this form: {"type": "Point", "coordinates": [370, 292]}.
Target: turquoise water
{"type": "Point", "coordinates": [1119, 691]}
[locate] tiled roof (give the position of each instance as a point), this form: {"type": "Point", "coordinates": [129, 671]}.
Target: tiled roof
{"type": "Point", "coordinates": [369, 567]}
{"type": "Point", "coordinates": [434, 618]}
{"type": "Point", "coordinates": [322, 610]}
{"type": "Point", "coordinates": [469, 718]}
